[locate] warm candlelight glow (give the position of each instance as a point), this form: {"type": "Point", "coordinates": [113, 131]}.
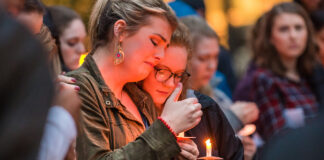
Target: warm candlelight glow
{"type": "Point", "coordinates": [208, 148]}
{"type": "Point", "coordinates": [247, 130]}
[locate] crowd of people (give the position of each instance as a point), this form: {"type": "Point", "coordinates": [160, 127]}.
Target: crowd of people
{"type": "Point", "coordinates": [156, 72]}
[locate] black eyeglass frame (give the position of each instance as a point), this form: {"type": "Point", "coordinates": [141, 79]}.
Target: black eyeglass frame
{"type": "Point", "coordinates": [184, 75]}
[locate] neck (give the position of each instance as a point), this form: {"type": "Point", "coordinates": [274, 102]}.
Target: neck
{"type": "Point", "coordinates": [194, 86]}
{"type": "Point", "coordinates": [112, 74]}
{"type": "Point", "coordinates": [159, 108]}
{"type": "Point", "coordinates": [291, 68]}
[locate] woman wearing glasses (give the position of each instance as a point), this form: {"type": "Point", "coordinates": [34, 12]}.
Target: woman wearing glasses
{"type": "Point", "coordinates": [163, 80]}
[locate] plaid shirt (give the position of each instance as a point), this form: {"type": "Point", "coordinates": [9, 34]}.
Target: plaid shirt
{"type": "Point", "coordinates": [273, 94]}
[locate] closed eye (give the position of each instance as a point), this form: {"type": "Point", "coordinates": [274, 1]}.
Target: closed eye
{"type": "Point", "coordinates": [153, 42]}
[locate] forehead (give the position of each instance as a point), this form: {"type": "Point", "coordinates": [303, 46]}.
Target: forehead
{"type": "Point", "coordinates": [288, 18]}
{"type": "Point", "coordinates": [75, 28]}
{"type": "Point", "coordinates": [157, 25]}
{"type": "Point", "coordinates": [175, 58]}
{"type": "Point", "coordinates": [207, 47]}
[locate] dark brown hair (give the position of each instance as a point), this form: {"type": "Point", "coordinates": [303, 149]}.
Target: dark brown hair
{"type": "Point", "coordinates": [61, 18]}
{"type": "Point", "coordinates": [181, 37]}
{"type": "Point", "coordinates": [134, 12]}
{"type": "Point", "coordinates": [33, 6]}
{"type": "Point", "coordinates": [264, 53]}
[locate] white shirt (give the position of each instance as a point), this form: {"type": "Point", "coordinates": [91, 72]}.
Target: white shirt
{"type": "Point", "coordinates": [60, 131]}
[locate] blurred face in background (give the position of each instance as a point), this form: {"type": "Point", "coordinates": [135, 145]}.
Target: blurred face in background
{"type": "Point", "coordinates": [71, 43]}
{"type": "Point", "coordinates": [12, 6]}
{"type": "Point", "coordinates": [204, 62]}
{"type": "Point", "coordinates": [289, 35]}
{"type": "Point", "coordinates": [175, 61]}
{"type": "Point", "coordinates": [32, 20]}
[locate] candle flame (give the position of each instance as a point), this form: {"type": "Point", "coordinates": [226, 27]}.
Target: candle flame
{"type": "Point", "coordinates": [208, 143]}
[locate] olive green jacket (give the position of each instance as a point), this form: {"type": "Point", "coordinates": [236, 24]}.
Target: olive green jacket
{"type": "Point", "coordinates": [109, 131]}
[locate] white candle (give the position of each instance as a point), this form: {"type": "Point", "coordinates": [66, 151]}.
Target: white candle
{"type": "Point", "coordinates": [181, 134]}
{"type": "Point", "coordinates": [208, 148]}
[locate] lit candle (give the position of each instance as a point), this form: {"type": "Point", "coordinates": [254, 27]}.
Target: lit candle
{"type": "Point", "coordinates": [181, 134]}
{"type": "Point", "coordinates": [208, 148]}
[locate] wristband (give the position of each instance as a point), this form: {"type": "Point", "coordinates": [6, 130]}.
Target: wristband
{"type": "Point", "coordinates": [166, 124]}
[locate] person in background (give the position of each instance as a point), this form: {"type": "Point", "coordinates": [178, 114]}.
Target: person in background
{"type": "Point", "coordinates": [60, 126]}
{"type": "Point", "coordinates": [282, 85]}
{"type": "Point", "coordinates": [128, 39]}
{"type": "Point", "coordinates": [163, 80]}
{"type": "Point", "coordinates": [244, 86]}
{"type": "Point", "coordinates": [31, 15]}
{"type": "Point", "coordinates": [24, 106]}
{"type": "Point", "coordinates": [69, 32]}
{"type": "Point", "coordinates": [224, 78]}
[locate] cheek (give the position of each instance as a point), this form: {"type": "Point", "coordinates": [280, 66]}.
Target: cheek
{"type": "Point", "coordinates": [66, 50]}
{"type": "Point", "coordinates": [304, 37]}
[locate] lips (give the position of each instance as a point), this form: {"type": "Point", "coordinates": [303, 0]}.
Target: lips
{"type": "Point", "coordinates": [162, 92]}
{"type": "Point", "coordinates": [150, 64]}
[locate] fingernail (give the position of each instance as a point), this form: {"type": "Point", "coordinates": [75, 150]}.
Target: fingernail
{"type": "Point", "coordinates": [77, 88]}
{"type": "Point", "coordinates": [73, 80]}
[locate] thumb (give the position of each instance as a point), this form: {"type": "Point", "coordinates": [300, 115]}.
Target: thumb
{"type": "Point", "coordinates": [176, 93]}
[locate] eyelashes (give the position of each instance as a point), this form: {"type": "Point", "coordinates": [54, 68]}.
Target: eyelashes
{"type": "Point", "coordinates": [154, 43]}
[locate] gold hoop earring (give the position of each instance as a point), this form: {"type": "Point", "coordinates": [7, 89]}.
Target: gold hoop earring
{"type": "Point", "coordinates": [119, 57]}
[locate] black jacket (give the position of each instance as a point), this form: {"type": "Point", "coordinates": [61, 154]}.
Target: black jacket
{"type": "Point", "coordinates": [215, 126]}
{"type": "Point", "coordinates": [317, 83]}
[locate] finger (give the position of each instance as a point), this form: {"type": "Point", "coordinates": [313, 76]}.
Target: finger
{"type": "Point", "coordinates": [187, 155]}
{"type": "Point", "coordinates": [196, 122]}
{"type": "Point", "coordinates": [197, 114]}
{"type": "Point", "coordinates": [190, 101]}
{"type": "Point", "coordinates": [176, 93]}
{"type": "Point", "coordinates": [68, 86]}
{"type": "Point", "coordinates": [62, 78]}
{"type": "Point", "coordinates": [189, 146]}
{"type": "Point", "coordinates": [197, 106]}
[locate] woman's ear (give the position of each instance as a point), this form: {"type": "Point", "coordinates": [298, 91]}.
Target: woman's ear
{"type": "Point", "coordinates": [120, 29]}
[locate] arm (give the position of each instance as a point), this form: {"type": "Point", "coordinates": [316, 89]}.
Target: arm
{"type": "Point", "coordinates": [157, 142]}
{"type": "Point", "coordinates": [60, 131]}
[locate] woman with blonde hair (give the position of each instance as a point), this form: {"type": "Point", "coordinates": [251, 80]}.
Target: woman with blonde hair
{"type": "Point", "coordinates": [128, 39]}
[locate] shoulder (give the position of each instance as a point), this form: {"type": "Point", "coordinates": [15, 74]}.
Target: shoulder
{"type": "Point", "coordinates": [207, 103]}
{"type": "Point", "coordinates": [84, 80]}
{"type": "Point", "coordinates": [80, 74]}
{"type": "Point", "coordinates": [264, 77]}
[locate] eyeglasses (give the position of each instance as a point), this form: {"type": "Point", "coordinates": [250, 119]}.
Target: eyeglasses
{"type": "Point", "coordinates": [162, 75]}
